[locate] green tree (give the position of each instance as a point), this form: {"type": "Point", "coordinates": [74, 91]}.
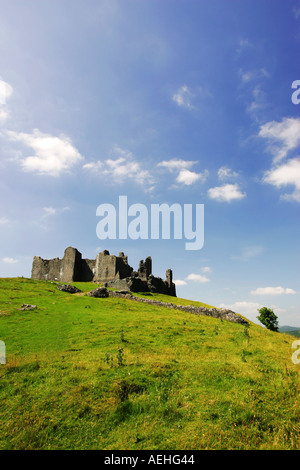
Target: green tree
{"type": "Point", "coordinates": [268, 318]}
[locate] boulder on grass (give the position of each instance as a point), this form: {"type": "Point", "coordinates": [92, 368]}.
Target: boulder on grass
{"type": "Point", "coordinates": [27, 307]}
{"type": "Point", "coordinates": [68, 288]}
{"type": "Point", "coordinates": [100, 292]}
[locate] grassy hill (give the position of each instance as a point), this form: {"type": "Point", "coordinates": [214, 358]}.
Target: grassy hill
{"type": "Point", "coordinates": [88, 373]}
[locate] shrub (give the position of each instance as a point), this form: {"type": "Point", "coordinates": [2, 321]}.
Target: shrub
{"type": "Point", "coordinates": [268, 318]}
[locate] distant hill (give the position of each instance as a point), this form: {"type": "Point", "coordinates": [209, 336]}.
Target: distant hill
{"type": "Point", "coordinates": [291, 330]}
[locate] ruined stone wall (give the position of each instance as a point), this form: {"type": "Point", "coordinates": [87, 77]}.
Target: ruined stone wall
{"type": "Point", "coordinates": [109, 269]}
{"type": "Point", "coordinates": [87, 270]}
{"type": "Point", "coordinates": [105, 267]}
{"type": "Point", "coordinates": [122, 267]}
{"type": "Point", "coordinates": [67, 269]}
{"type": "Point", "coordinates": [145, 268]}
{"type": "Point", "coordinates": [71, 265]}
{"type": "Point", "coordinates": [46, 269]}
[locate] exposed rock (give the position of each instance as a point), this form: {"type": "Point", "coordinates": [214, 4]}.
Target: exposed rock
{"type": "Point", "coordinates": [27, 307]}
{"type": "Point", "coordinates": [100, 292]}
{"type": "Point", "coordinates": [68, 288]}
{"type": "Point", "coordinates": [124, 292]}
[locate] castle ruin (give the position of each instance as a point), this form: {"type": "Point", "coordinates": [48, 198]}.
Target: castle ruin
{"type": "Point", "coordinates": [110, 270]}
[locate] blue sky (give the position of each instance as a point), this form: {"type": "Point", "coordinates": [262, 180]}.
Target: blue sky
{"type": "Point", "coordinates": [164, 101]}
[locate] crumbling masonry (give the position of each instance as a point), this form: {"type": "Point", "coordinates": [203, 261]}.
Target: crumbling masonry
{"type": "Point", "coordinates": [112, 271]}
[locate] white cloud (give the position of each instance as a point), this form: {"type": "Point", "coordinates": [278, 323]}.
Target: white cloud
{"type": "Point", "coordinates": [6, 91]}
{"type": "Point", "coordinates": [94, 166]}
{"type": "Point", "coordinates": [272, 291]}
{"type": "Point", "coordinates": [188, 177]}
{"type": "Point", "coordinates": [179, 282]}
{"type": "Point", "coordinates": [246, 76]}
{"type": "Point", "coordinates": [183, 97]}
{"type": "Point", "coordinates": [226, 193]}
{"type": "Point", "coordinates": [122, 167]}
{"type": "Point", "coordinates": [250, 75]}
{"type": "Point", "coordinates": [225, 172]}
{"type": "Point", "coordinates": [251, 90]}
{"type": "Point", "coordinates": [176, 164]}
{"type": "Point", "coordinates": [52, 155]}
{"type": "Point", "coordinates": [197, 278]}
{"type": "Point", "coordinates": [284, 175]}
{"type": "Point", "coordinates": [282, 136]}
{"type": "Point", "coordinates": [9, 260]}
{"type": "Point", "coordinates": [258, 102]}
{"type": "Point", "coordinates": [184, 176]}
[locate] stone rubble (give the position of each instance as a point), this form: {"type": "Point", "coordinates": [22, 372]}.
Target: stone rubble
{"type": "Point", "coordinates": [223, 314]}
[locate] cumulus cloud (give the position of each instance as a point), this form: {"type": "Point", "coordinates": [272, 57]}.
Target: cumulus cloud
{"type": "Point", "coordinates": [225, 173]}
{"type": "Point", "coordinates": [226, 193]}
{"type": "Point", "coordinates": [179, 282]}
{"type": "Point", "coordinates": [176, 164]}
{"type": "Point", "coordinates": [282, 137]}
{"type": "Point", "coordinates": [122, 167]}
{"type": "Point", "coordinates": [52, 155]}
{"type": "Point", "coordinates": [184, 176]}
{"type": "Point", "coordinates": [287, 174]}
{"type": "Point", "coordinates": [188, 177]}
{"type": "Point", "coordinates": [197, 278]}
{"type": "Point", "coordinates": [272, 291]}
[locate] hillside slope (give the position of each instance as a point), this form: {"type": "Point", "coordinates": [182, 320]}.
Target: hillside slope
{"type": "Point", "coordinates": [88, 373]}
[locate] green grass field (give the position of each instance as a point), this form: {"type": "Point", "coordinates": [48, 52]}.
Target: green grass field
{"type": "Point", "coordinates": [87, 373]}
